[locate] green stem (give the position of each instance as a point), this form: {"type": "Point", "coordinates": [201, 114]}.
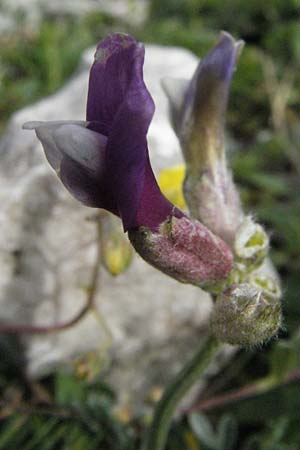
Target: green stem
{"type": "Point", "coordinates": [157, 434]}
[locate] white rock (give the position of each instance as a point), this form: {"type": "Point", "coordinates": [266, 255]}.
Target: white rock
{"type": "Point", "coordinates": [48, 250]}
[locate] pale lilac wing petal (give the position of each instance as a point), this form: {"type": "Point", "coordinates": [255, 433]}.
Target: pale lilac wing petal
{"type": "Point", "coordinates": [44, 132]}
{"type": "Point", "coordinates": [83, 146]}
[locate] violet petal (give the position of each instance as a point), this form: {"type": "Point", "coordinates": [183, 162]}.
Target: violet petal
{"type": "Point", "coordinates": [154, 208]}
{"type": "Point", "coordinates": [206, 98]}
{"type": "Point", "coordinates": [212, 78]}
{"type": "Point", "coordinates": [127, 152]}
{"type": "Point", "coordinates": [110, 77]}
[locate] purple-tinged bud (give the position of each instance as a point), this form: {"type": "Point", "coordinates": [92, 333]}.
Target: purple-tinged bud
{"type": "Point", "coordinates": [243, 315]}
{"type": "Point", "coordinates": [185, 250]}
{"type": "Point", "coordinates": [201, 130]}
{"type": "Point", "coordinates": [198, 115]}
{"type": "Point", "coordinates": [212, 198]}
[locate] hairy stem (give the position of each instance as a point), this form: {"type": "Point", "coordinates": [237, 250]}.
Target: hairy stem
{"type": "Point", "coordinates": [157, 434]}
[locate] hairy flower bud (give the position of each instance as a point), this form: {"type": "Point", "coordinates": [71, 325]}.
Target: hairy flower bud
{"type": "Point", "coordinates": [251, 245]}
{"type": "Point", "coordinates": [198, 114]}
{"type": "Point", "coordinates": [212, 198]}
{"type": "Point", "coordinates": [268, 284]}
{"type": "Point", "coordinates": [243, 315]}
{"type": "Point", "coordinates": [186, 250]}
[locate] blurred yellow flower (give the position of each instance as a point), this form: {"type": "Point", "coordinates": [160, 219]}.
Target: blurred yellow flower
{"type": "Point", "coordinates": [117, 256]}
{"type": "Point", "coordinates": [170, 182]}
{"type": "Point", "coordinates": [116, 250]}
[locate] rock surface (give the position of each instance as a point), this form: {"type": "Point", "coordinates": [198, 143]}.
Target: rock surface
{"type": "Point", "coordinates": [48, 249]}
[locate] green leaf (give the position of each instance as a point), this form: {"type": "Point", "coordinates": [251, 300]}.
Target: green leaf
{"type": "Point", "coordinates": [227, 432]}
{"type": "Point", "coordinates": [273, 184]}
{"type": "Point", "coordinates": [203, 430]}
{"type": "Point", "coordinates": [285, 357]}
{"type": "Point", "coordinates": [252, 444]}
{"type": "Point", "coordinates": [42, 430]}
{"type": "Point", "coordinates": [13, 433]}
{"type": "Point", "coordinates": [69, 390]}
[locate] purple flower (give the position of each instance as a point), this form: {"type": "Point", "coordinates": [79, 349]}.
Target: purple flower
{"type": "Point", "coordinates": [104, 162]}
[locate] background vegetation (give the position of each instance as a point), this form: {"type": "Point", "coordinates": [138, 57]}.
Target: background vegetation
{"type": "Point", "coordinates": [65, 411]}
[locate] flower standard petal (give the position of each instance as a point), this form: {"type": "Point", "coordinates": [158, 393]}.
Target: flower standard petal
{"type": "Point", "coordinates": [120, 106]}
{"type": "Point", "coordinates": [139, 197]}
{"type": "Point", "coordinates": [110, 77]}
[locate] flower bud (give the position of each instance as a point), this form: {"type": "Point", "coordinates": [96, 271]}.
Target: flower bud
{"type": "Point", "coordinates": [198, 115]}
{"type": "Point", "coordinates": [251, 245]}
{"type": "Point", "coordinates": [243, 315]}
{"type": "Point", "coordinates": [185, 250]}
{"type": "Point", "coordinates": [268, 284]}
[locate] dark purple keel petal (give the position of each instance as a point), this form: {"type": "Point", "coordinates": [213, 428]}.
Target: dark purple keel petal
{"type": "Point", "coordinates": [85, 187]}
{"type": "Point", "coordinates": [83, 167]}
{"type": "Point", "coordinates": [110, 77]}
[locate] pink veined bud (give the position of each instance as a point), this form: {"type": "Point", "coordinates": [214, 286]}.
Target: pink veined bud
{"type": "Point", "coordinates": [185, 250]}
